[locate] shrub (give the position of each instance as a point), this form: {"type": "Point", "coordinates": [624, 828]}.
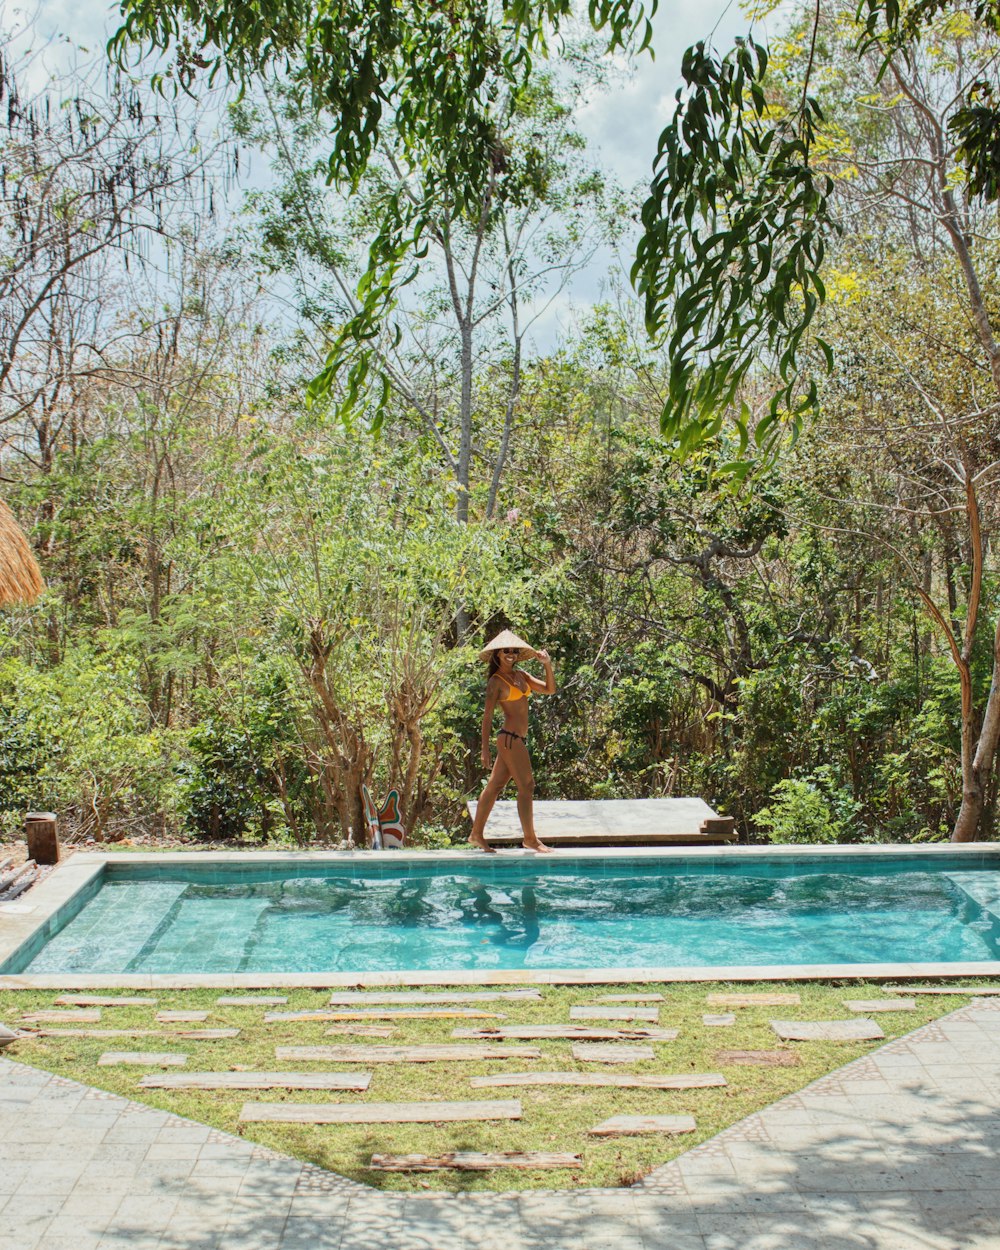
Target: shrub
{"type": "Point", "coordinates": [808, 809]}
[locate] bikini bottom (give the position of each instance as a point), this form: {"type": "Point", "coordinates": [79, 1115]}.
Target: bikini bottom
{"type": "Point", "coordinates": [509, 733]}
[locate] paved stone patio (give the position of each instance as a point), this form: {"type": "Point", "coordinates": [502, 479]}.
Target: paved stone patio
{"type": "Point", "coordinates": [896, 1151]}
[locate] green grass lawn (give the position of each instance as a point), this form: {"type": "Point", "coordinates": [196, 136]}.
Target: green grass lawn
{"type": "Point", "coordinates": [555, 1118]}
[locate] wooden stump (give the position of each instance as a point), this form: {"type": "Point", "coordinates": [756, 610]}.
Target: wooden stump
{"type": "Point", "coordinates": [41, 833]}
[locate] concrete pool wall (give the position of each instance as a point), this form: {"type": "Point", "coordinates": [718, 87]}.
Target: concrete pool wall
{"type": "Point", "coordinates": [25, 925]}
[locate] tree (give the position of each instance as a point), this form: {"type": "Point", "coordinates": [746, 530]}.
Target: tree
{"type": "Point", "coordinates": [452, 349]}
{"type": "Point", "coordinates": [739, 218]}
{"type": "Point", "coordinates": [915, 311]}
{"type": "Point", "coordinates": [93, 172]}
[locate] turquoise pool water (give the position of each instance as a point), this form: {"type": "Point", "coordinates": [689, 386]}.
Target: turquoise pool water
{"type": "Point", "coordinates": [519, 913]}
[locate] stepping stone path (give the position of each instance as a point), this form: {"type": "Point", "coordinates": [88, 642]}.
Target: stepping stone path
{"type": "Point", "coordinates": [378, 1112]}
{"type": "Point", "coordinates": [596, 1053]}
{"type": "Point", "coordinates": [261, 1000]}
{"type": "Point", "coordinates": [111, 1058]}
{"type": "Point", "coordinates": [404, 1054]}
{"type": "Point", "coordinates": [631, 998]}
{"type": "Point", "coordinates": [469, 1161]}
{"type": "Point", "coordinates": [857, 1030]}
{"type": "Point", "coordinates": [91, 1016]}
{"type": "Point", "coordinates": [624, 1080]}
{"type": "Point", "coordinates": [358, 1030]}
{"type": "Point", "coordinates": [181, 1017]}
{"type": "Point", "coordinates": [721, 1021]}
{"type": "Point", "coordinates": [978, 990]}
{"type": "Point", "coordinates": [757, 1058]}
{"type": "Point", "coordinates": [652, 1014]}
{"type": "Point", "coordinates": [345, 998]}
{"type": "Point", "coordinates": [102, 1000]}
{"type": "Point", "coordinates": [633, 1125]}
{"type": "Point", "coordinates": [753, 1000]}
{"type": "Point", "coordinates": [205, 1035]}
{"type": "Point", "coordinates": [866, 1005]}
{"type": "Point", "coordinates": [189, 1035]}
{"type": "Point", "coordinates": [570, 1032]}
{"type": "Point", "coordinates": [385, 1013]}
{"type": "Point", "coordinates": [122, 1033]}
{"type": "Point", "coordinates": [258, 1080]}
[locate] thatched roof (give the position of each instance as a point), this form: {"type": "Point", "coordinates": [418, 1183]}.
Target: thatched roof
{"type": "Point", "coordinates": [20, 576]}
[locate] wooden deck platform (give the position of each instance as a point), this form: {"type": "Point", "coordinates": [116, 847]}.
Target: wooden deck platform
{"type": "Point", "coordinates": [614, 822]}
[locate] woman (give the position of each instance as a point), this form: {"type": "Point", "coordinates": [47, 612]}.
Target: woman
{"type": "Point", "coordinates": [511, 688]}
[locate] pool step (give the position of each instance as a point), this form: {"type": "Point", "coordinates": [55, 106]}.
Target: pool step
{"type": "Point", "coordinates": [258, 1080]}
{"type": "Point", "coordinates": [623, 1080]}
{"type": "Point", "coordinates": [83, 946]}
{"type": "Point", "coordinates": [404, 1054]}
{"type": "Point", "coordinates": [378, 1112]}
{"type": "Point", "coordinates": [208, 932]}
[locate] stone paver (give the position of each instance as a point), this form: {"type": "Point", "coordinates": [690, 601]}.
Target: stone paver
{"type": "Point", "coordinates": [868, 1005]}
{"type": "Point", "coordinates": [896, 1151]}
{"type": "Point", "coordinates": [858, 1030]}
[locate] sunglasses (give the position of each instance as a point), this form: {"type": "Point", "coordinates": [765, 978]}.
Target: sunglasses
{"type": "Point", "coordinates": [511, 650]}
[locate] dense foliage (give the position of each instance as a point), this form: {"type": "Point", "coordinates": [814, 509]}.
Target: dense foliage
{"type": "Point", "coordinates": [260, 597]}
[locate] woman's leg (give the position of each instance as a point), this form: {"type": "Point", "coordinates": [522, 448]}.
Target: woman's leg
{"type": "Point", "coordinates": [498, 778]}
{"type": "Point", "coordinates": [518, 761]}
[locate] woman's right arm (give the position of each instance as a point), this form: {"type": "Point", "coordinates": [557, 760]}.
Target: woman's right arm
{"type": "Point", "coordinates": [491, 702]}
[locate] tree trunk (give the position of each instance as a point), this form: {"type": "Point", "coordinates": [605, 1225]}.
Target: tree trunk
{"type": "Point", "coordinates": [465, 426]}
{"type": "Point", "coordinates": [977, 775]}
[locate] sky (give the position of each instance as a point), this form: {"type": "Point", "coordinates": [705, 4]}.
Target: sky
{"type": "Point", "coordinates": [622, 123]}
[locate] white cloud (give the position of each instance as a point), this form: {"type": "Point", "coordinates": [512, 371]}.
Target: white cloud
{"type": "Point", "coordinates": [624, 123]}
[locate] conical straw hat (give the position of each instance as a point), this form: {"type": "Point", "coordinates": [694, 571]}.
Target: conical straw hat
{"type": "Point", "coordinates": [20, 576]}
{"type": "Point", "coordinates": [507, 638]}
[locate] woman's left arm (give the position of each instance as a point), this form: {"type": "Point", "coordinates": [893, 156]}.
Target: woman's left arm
{"type": "Point", "coordinates": [548, 686]}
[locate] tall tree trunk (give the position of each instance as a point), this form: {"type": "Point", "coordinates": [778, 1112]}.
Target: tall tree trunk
{"type": "Point", "coordinates": [465, 424]}
{"type": "Point", "coordinates": [977, 775]}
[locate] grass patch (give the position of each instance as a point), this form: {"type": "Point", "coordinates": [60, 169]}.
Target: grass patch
{"type": "Point", "coordinates": [555, 1118]}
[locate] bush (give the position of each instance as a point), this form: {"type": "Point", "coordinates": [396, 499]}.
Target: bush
{"type": "Point", "coordinates": [89, 751]}
{"type": "Point", "coordinates": [808, 809]}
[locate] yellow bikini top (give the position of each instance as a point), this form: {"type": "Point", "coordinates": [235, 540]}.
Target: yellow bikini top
{"type": "Point", "coordinates": [515, 691]}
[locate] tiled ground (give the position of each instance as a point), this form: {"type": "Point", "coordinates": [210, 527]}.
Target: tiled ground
{"type": "Point", "coordinates": [897, 1151]}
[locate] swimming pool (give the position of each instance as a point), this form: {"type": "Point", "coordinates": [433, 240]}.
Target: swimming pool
{"type": "Point", "coordinates": [361, 914]}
